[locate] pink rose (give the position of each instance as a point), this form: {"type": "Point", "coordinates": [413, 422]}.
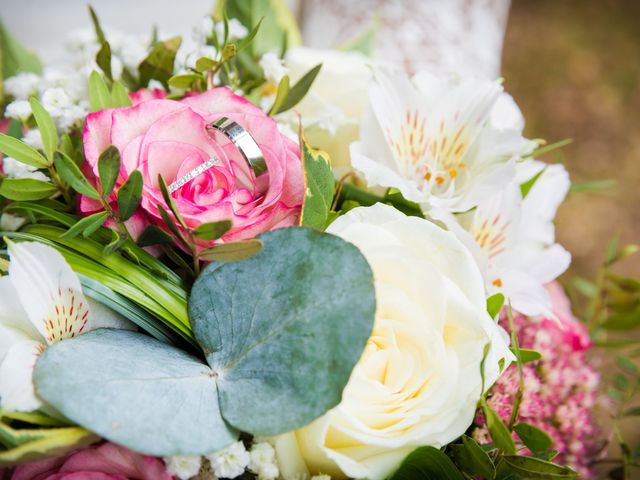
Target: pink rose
{"type": "Point", "coordinates": [169, 138]}
{"type": "Point", "coordinates": [104, 462]}
{"type": "Point", "coordinates": [145, 94]}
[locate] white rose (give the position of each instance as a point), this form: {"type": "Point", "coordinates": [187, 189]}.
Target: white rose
{"type": "Point", "coordinates": [418, 381]}
{"type": "Point", "coordinates": [332, 109]}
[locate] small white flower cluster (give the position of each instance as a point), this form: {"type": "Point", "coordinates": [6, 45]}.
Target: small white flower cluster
{"type": "Point", "coordinates": [273, 67]}
{"type": "Point", "coordinates": [15, 169]}
{"type": "Point", "coordinates": [230, 462]}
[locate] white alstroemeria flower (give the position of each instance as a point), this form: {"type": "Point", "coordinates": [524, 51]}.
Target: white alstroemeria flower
{"type": "Point", "coordinates": [436, 141]}
{"type": "Point", "coordinates": [513, 238]}
{"type": "Point", "coordinates": [41, 302]}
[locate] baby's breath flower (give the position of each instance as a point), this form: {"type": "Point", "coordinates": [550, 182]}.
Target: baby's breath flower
{"type": "Point", "coordinates": [33, 138]}
{"type": "Point", "coordinates": [15, 169]}
{"type": "Point", "coordinates": [22, 85]}
{"type": "Point", "coordinates": [230, 462]}
{"type": "Point", "coordinates": [183, 466]}
{"type": "Point", "coordinates": [263, 461]}
{"type": "Point", "coordinates": [236, 30]}
{"type": "Point", "coordinates": [273, 67]}
{"type": "Point", "coordinates": [20, 110]}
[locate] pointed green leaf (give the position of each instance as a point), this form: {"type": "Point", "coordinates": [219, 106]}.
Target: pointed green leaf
{"type": "Point", "coordinates": [99, 96]}
{"type": "Point", "coordinates": [284, 306]}
{"type": "Point", "coordinates": [533, 438]}
{"type": "Point", "coordinates": [427, 463]}
{"type": "Point", "coordinates": [212, 231]}
{"type": "Point", "coordinates": [154, 235]}
{"type": "Point", "coordinates": [494, 304]}
{"type": "Point", "coordinates": [47, 128]}
{"type": "Point", "coordinates": [129, 195]}
{"type": "Point", "coordinates": [528, 185]}
{"type": "Point", "coordinates": [185, 80]}
{"type": "Point", "coordinates": [500, 434]}
{"type": "Point", "coordinates": [16, 149]}
{"type": "Point", "coordinates": [14, 57]}
{"type": "Point", "coordinates": [204, 63]}
{"type": "Point", "coordinates": [473, 459]}
{"type": "Point", "coordinates": [171, 203]}
{"type": "Point", "coordinates": [281, 95]}
{"type": "Point", "coordinates": [537, 469]}
{"type": "Point", "coordinates": [87, 225]}
{"type": "Point", "coordinates": [300, 89]}
{"type": "Point", "coordinates": [171, 225]}
{"type": "Point", "coordinates": [108, 169]}
{"type": "Point", "coordinates": [103, 59]}
{"type": "Point", "coordinates": [96, 25]}
{"type": "Point", "coordinates": [319, 187]}
{"type": "Point", "coordinates": [159, 63]}
{"type": "Point", "coordinates": [527, 355]}
{"type": "Point", "coordinates": [166, 405]}
{"type": "Point", "coordinates": [26, 189]}
{"type": "Point", "coordinates": [119, 95]}
{"type": "Point", "coordinates": [71, 173]}
{"type": "Point", "coordinates": [232, 251]}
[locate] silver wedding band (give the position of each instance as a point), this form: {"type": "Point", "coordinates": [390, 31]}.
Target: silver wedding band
{"type": "Point", "coordinates": [226, 130]}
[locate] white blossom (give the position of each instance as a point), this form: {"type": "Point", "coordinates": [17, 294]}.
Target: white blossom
{"type": "Point", "coordinates": [33, 138]}
{"type": "Point", "coordinates": [22, 85]}
{"type": "Point", "coordinates": [202, 30]}
{"type": "Point", "coordinates": [11, 223]}
{"type": "Point", "coordinates": [273, 67]}
{"type": "Point", "coordinates": [15, 169]}
{"type": "Point", "coordinates": [20, 110]}
{"type": "Point", "coordinates": [183, 466]}
{"type": "Point", "coordinates": [263, 461]}
{"type": "Point", "coordinates": [236, 30]}
{"type": "Point", "coordinates": [230, 462]}
{"type": "Point", "coordinates": [321, 477]}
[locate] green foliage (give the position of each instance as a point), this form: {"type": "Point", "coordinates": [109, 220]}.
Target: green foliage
{"type": "Point", "coordinates": [87, 225]}
{"type": "Point", "coordinates": [533, 438]}
{"type": "Point", "coordinates": [427, 463]}
{"type": "Point", "coordinates": [99, 95]}
{"type": "Point", "coordinates": [499, 432]}
{"type": "Point", "coordinates": [130, 195]}
{"type": "Point", "coordinates": [154, 235]}
{"type": "Point", "coordinates": [297, 92]}
{"type": "Point", "coordinates": [231, 251]}
{"type": "Point", "coordinates": [20, 151]}
{"type": "Point", "coordinates": [494, 304]}
{"type": "Point", "coordinates": [71, 173]}
{"type": "Point", "coordinates": [528, 185]}
{"type": "Point", "coordinates": [319, 187]}
{"type": "Point", "coordinates": [158, 65]}
{"type": "Point", "coordinates": [14, 57]}
{"type": "Point", "coordinates": [281, 95]}
{"type": "Point", "coordinates": [185, 81]}
{"type": "Point", "coordinates": [47, 128]}
{"type": "Point", "coordinates": [103, 60]}
{"type": "Point", "coordinates": [108, 169]}
{"type": "Point", "coordinates": [119, 95]}
{"type": "Point", "coordinates": [472, 459]}
{"type": "Point", "coordinates": [212, 231]}
{"type": "Point", "coordinates": [26, 189]}
{"type": "Point", "coordinates": [535, 468]}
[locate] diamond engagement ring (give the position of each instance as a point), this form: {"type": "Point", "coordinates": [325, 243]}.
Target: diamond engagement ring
{"type": "Point", "coordinates": [249, 165]}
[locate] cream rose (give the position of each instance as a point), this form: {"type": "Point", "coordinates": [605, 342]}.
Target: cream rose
{"type": "Point", "coordinates": [418, 381]}
{"type": "Point", "coordinates": [332, 109]}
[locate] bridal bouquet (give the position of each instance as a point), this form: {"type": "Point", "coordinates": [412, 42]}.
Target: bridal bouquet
{"type": "Point", "coordinates": [237, 257]}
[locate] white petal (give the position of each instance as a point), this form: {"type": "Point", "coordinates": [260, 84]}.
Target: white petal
{"type": "Point", "coordinates": [16, 377]}
{"type": "Point", "coordinates": [14, 323]}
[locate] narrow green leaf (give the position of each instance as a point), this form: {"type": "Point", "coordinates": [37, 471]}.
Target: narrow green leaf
{"type": "Point", "coordinates": [14, 57]}
{"type": "Point", "coordinates": [627, 365]}
{"type": "Point", "coordinates": [528, 185]}
{"type": "Point", "coordinates": [71, 173]}
{"type": "Point", "coordinates": [159, 63]}
{"type": "Point", "coordinates": [427, 463]}
{"type": "Point", "coordinates": [473, 459]}
{"type": "Point", "coordinates": [212, 231]}
{"type": "Point", "coordinates": [129, 195]}
{"type": "Point", "coordinates": [528, 355]}
{"type": "Point", "coordinates": [154, 235]}
{"type": "Point", "coordinates": [96, 25]}
{"type": "Point", "coordinates": [549, 148]}
{"type": "Point", "coordinates": [119, 95]}
{"type": "Point", "coordinates": [622, 321]}
{"type": "Point", "coordinates": [170, 202]}
{"type": "Point", "coordinates": [300, 89]}
{"type": "Point", "coordinates": [108, 169]}
{"type": "Point", "coordinates": [14, 148]}
{"type": "Point", "coordinates": [185, 80]}
{"type": "Point", "coordinates": [103, 59]}
{"type": "Point", "coordinates": [595, 186]}
{"type": "Point", "coordinates": [172, 226]}
{"type": "Point", "coordinates": [500, 434]}
{"type": "Point", "coordinates": [87, 225]}
{"type": "Point", "coordinates": [232, 252]}
{"type": "Point", "coordinates": [114, 245]}
{"type": "Point", "coordinates": [47, 128]}
{"type": "Point", "coordinates": [585, 287]}
{"type": "Point", "coordinates": [33, 418]}
{"type": "Point", "coordinates": [245, 42]}
{"type": "Point", "coordinates": [66, 145]}
{"type": "Point", "coordinates": [535, 468]}
{"type": "Point", "coordinates": [26, 189]}
{"type": "Point", "coordinates": [319, 187]}
{"type": "Point", "coordinates": [281, 95]}
{"type": "Point", "coordinates": [494, 304]}
{"type": "Point", "coordinates": [99, 96]}
{"type": "Point", "coordinates": [632, 412]}
{"type": "Point", "coordinates": [533, 438]}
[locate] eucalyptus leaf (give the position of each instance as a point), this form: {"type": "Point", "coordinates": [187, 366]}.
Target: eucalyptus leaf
{"type": "Point", "coordinates": [427, 463]}
{"type": "Point", "coordinates": [232, 251]}
{"type": "Point", "coordinates": [71, 173]}
{"type": "Point", "coordinates": [26, 189]}
{"type": "Point", "coordinates": [319, 187]}
{"type": "Point", "coordinates": [108, 169]}
{"type": "Point", "coordinates": [129, 195]}
{"type": "Point", "coordinates": [281, 334]}
{"type": "Point", "coordinates": [99, 96]}
{"type": "Point", "coordinates": [166, 405]}
{"type": "Point", "coordinates": [158, 65]}
{"type": "Point", "coordinates": [47, 128]}
{"type": "Point", "coordinates": [20, 151]}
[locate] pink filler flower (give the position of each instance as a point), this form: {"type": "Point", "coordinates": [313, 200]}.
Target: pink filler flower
{"type": "Point", "coordinates": [560, 390]}
{"type": "Point", "coordinates": [169, 138]}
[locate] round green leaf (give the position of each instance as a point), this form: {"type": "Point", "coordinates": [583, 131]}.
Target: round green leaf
{"type": "Point", "coordinates": [135, 391]}
{"type": "Point", "coordinates": [283, 330]}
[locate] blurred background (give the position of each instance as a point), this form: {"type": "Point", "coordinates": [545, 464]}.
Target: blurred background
{"type": "Point", "coordinates": [574, 68]}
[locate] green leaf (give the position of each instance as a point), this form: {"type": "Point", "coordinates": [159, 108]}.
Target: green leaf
{"type": "Point", "coordinates": [203, 64]}
{"type": "Point", "coordinates": [535, 468]}
{"type": "Point", "coordinates": [622, 321]}
{"type": "Point", "coordinates": [172, 226]}
{"type": "Point", "coordinates": [14, 148]}
{"type": "Point", "coordinates": [284, 307]}
{"type": "Point", "coordinates": [71, 173]}
{"type": "Point", "coordinates": [585, 287]}
{"type": "Point", "coordinates": [473, 459]}
{"type": "Point", "coordinates": [281, 95]}
{"type": "Point", "coordinates": [114, 245]}
{"type": "Point", "coordinates": [232, 251]}
{"type": "Point", "coordinates": [159, 63]}
{"type": "Point", "coordinates": [319, 187]}
{"type": "Point", "coordinates": [129, 195]}
{"type": "Point", "coordinates": [87, 225]}
{"type": "Point", "coordinates": [526, 186]}
{"type": "Point", "coordinates": [427, 463]}
{"type": "Point", "coordinates": [47, 128]}
{"type": "Point", "coordinates": [394, 197]}
{"type": "Point", "coordinates": [15, 58]}
{"type": "Point", "coordinates": [627, 365]}
{"type": "Point", "coordinates": [166, 405]}
{"type": "Point", "coordinates": [212, 231]}
{"type": "Point", "coordinates": [527, 355]}
{"type": "Point", "coordinates": [533, 438]}
{"type": "Point", "coordinates": [96, 26]}
{"type": "Point", "coordinates": [154, 235]}
{"type": "Point", "coordinates": [99, 96]}
{"type": "Point", "coordinates": [185, 80]}
{"type": "Point", "coordinates": [632, 412]}
{"type": "Point", "coordinates": [494, 304]}
{"type": "Point", "coordinates": [108, 169]}
{"type": "Point", "coordinates": [549, 148]}
{"type": "Point", "coordinates": [595, 186]}
{"type": "Point", "coordinates": [33, 418]}
{"type": "Point", "coordinates": [103, 59]}
{"type": "Point", "coordinates": [26, 189]}
{"type": "Point", "coordinates": [119, 95]}
{"type": "Point", "coordinates": [500, 434]}
{"type": "Point", "coordinates": [300, 89]}
{"type": "Point", "coordinates": [170, 202]}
